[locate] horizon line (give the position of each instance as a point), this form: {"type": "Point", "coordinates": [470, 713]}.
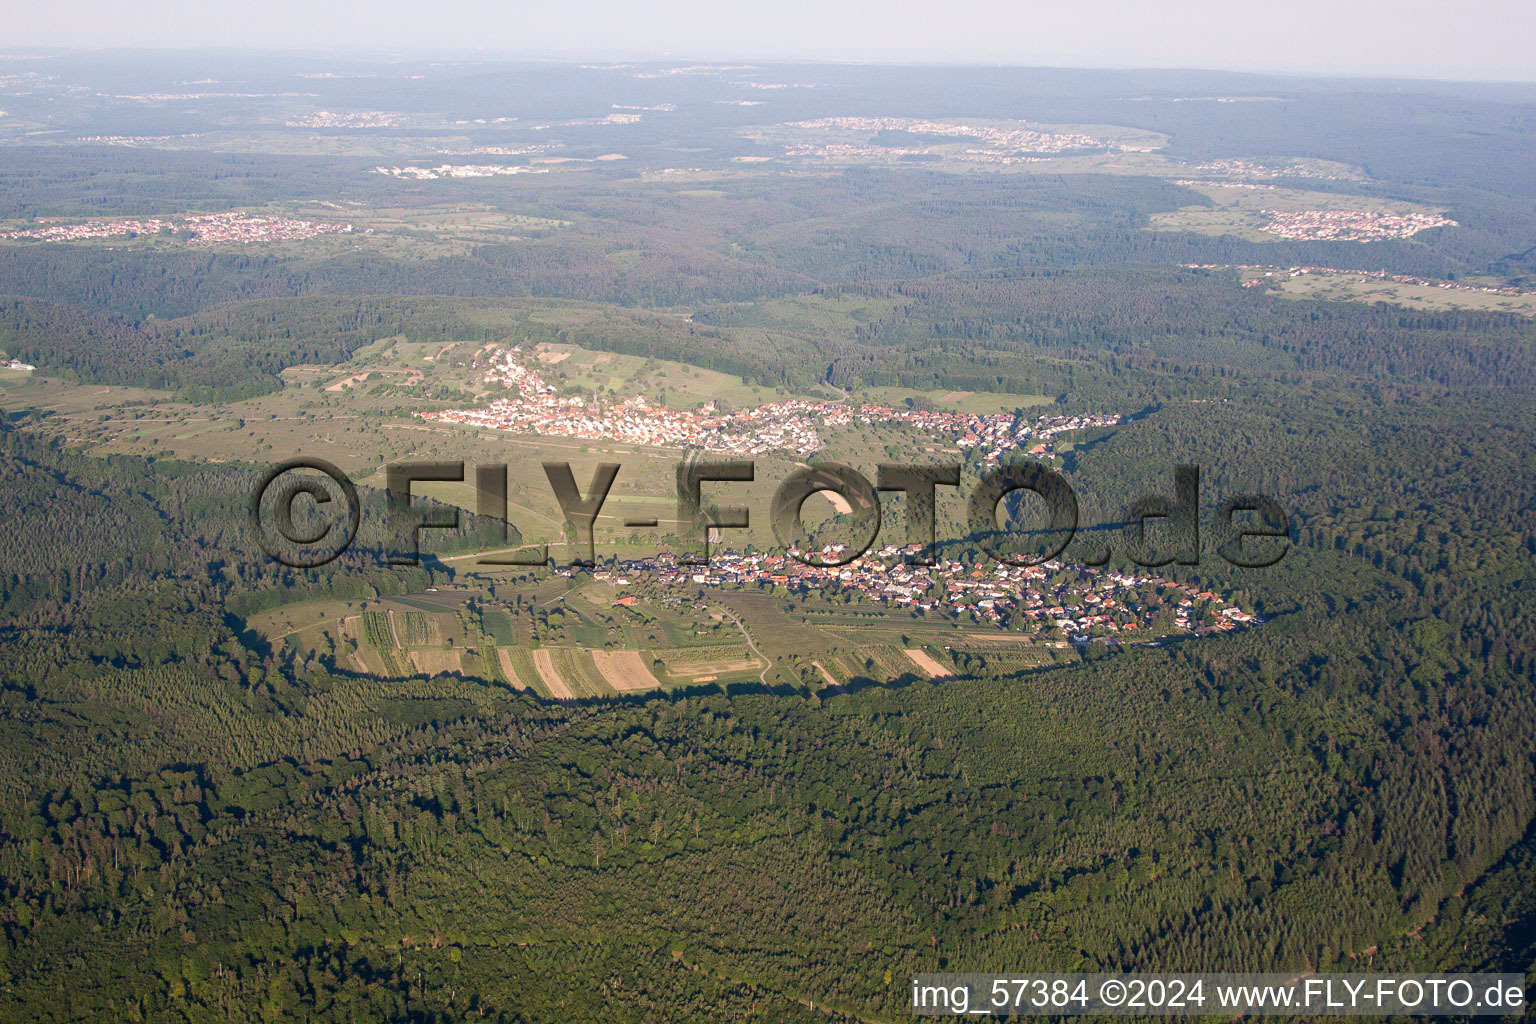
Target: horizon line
{"type": "Point", "coordinates": [577, 58]}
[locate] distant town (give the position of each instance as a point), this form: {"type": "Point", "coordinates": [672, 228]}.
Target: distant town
{"type": "Point", "coordinates": [787, 426]}
{"type": "Point", "coordinates": [356, 119]}
{"type": "Point", "coordinates": [1350, 225]}
{"type": "Point", "coordinates": [207, 228]}
{"type": "Point", "coordinates": [458, 171]}
{"type": "Point", "coordinates": [1266, 272]}
{"type": "Point", "coordinates": [988, 143]}
{"type": "Point", "coordinates": [1294, 169]}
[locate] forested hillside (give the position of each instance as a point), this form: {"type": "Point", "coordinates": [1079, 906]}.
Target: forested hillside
{"type": "Point", "coordinates": [1318, 783]}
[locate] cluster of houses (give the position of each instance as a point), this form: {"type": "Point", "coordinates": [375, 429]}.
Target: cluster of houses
{"type": "Point", "coordinates": [787, 426]}
{"type": "Point", "coordinates": [1350, 225]}
{"type": "Point", "coordinates": [132, 140]}
{"type": "Point", "coordinates": [458, 171]}
{"type": "Point", "coordinates": [1204, 183]}
{"type": "Point", "coordinates": [356, 119]}
{"type": "Point", "coordinates": [207, 227]}
{"type": "Point", "coordinates": [635, 421]}
{"type": "Point", "coordinates": [1253, 169]}
{"type": "Point", "coordinates": [684, 69]}
{"type": "Point", "coordinates": [500, 150]}
{"type": "Point", "coordinates": [1373, 275]}
{"type": "Point", "coordinates": [998, 144]}
{"type": "Point", "coordinates": [1012, 140]}
{"type": "Point", "coordinates": [621, 117]}
{"type": "Point", "coordinates": [1078, 604]}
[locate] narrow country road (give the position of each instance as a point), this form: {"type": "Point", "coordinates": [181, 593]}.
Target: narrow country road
{"type": "Point", "coordinates": [762, 676]}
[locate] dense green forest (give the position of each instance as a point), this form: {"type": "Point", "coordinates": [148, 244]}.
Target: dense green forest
{"type": "Point", "coordinates": [1088, 335]}
{"type": "Point", "coordinates": [198, 823]}
{"type": "Point", "coordinates": [1272, 801]}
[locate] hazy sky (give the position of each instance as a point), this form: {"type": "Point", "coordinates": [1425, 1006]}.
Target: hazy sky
{"type": "Point", "coordinates": [1471, 39]}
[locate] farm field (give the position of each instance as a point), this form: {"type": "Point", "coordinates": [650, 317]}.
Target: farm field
{"type": "Point", "coordinates": [566, 640]}
{"type": "Point", "coordinates": [1343, 287]}
{"type": "Point", "coordinates": [625, 671]}
{"type": "Point", "coordinates": [509, 669]}
{"type": "Point", "coordinates": [549, 675]}
{"type": "Point", "coordinates": [925, 661]}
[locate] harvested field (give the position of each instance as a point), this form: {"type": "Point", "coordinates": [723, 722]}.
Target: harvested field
{"type": "Point", "coordinates": [374, 663]}
{"type": "Point", "coordinates": [578, 673]}
{"type": "Point", "coordinates": [923, 660]}
{"type": "Point", "coordinates": [432, 662]}
{"type": "Point", "coordinates": [544, 661]}
{"type": "Point", "coordinates": [504, 656]}
{"type": "Point", "coordinates": [625, 671]}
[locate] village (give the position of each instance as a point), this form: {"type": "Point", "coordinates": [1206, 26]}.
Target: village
{"type": "Point", "coordinates": [989, 144]}
{"type": "Point", "coordinates": [786, 426]}
{"type": "Point", "coordinates": [1271, 272]}
{"type": "Point", "coordinates": [1295, 169]}
{"type": "Point", "coordinates": [458, 171]}
{"type": "Point", "coordinates": [357, 119]}
{"type": "Point", "coordinates": [1350, 225]}
{"type": "Point", "coordinates": [1023, 140]}
{"type": "Point", "coordinates": [208, 228]}
{"type": "Point", "coordinates": [1074, 605]}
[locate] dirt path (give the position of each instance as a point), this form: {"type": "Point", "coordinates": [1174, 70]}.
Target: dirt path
{"type": "Point", "coordinates": [762, 676]}
{"type": "Point", "coordinates": [545, 663]}
{"type": "Point", "coordinates": [390, 612]}
{"type": "Point", "coordinates": [346, 382]}
{"type": "Point", "coordinates": [831, 681]}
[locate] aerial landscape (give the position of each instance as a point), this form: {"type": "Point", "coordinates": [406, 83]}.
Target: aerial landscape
{"type": "Point", "coordinates": [710, 675]}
